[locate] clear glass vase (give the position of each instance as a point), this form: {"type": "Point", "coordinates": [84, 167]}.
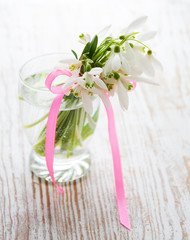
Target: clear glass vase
{"type": "Point", "coordinates": [74, 126]}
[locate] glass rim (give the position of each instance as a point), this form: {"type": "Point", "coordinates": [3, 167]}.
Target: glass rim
{"type": "Point", "coordinates": [35, 58]}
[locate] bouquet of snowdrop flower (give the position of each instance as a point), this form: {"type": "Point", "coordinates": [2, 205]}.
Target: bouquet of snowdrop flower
{"type": "Point", "coordinates": [111, 66]}
{"type": "Point", "coordinates": [115, 65]}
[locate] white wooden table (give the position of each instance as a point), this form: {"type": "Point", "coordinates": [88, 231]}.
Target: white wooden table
{"type": "Point", "coordinates": [153, 135]}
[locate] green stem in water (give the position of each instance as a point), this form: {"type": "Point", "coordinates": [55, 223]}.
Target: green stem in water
{"type": "Point", "coordinates": [35, 123]}
{"type": "Point", "coordinates": [71, 130]}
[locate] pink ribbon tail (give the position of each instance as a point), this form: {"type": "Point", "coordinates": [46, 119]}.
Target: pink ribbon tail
{"type": "Point", "coordinates": [50, 136]}
{"type": "Point", "coordinates": [120, 193]}
{"type": "Point", "coordinates": [52, 121]}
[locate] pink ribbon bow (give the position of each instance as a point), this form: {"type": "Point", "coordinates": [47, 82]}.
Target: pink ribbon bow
{"type": "Point", "coordinates": [50, 143]}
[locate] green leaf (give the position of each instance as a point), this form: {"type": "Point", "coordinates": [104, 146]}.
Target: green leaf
{"type": "Point", "coordinates": [98, 64]}
{"type": "Point", "coordinates": [74, 54]}
{"type": "Point", "coordinates": [93, 46]}
{"type": "Point", "coordinates": [86, 48]}
{"type": "Point", "coordinates": [89, 60]}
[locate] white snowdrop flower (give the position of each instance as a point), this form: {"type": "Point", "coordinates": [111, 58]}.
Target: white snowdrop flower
{"type": "Point", "coordinates": [92, 78]}
{"type": "Point", "coordinates": [155, 62]}
{"type": "Point", "coordinates": [84, 38]}
{"type": "Point", "coordinates": [117, 61]}
{"type": "Point", "coordinates": [129, 54]}
{"type": "Point", "coordinates": [141, 61]}
{"type": "Point", "coordinates": [85, 86]}
{"type": "Point", "coordinates": [122, 91]}
{"type": "Point", "coordinates": [124, 86]}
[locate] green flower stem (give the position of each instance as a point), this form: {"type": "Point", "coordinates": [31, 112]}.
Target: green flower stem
{"type": "Point", "coordinates": [40, 146]}
{"type": "Point", "coordinates": [35, 123]}
{"type": "Point", "coordinates": [71, 130]}
{"type": "Point", "coordinates": [102, 52]}
{"type": "Point", "coordinates": [139, 42]}
{"type": "Point", "coordinates": [87, 130]}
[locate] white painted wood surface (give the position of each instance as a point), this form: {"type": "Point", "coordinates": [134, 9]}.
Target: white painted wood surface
{"type": "Point", "coordinates": [153, 134]}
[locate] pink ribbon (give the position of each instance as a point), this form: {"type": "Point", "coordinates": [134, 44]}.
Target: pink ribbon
{"type": "Point", "coordinates": [120, 194]}
{"type": "Point", "coordinates": [50, 143]}
{"type": "Point", "coordinates": [52, 120]}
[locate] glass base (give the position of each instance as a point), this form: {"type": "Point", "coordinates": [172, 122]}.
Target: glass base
{"type": "Point", "coordinates": [65, 168]}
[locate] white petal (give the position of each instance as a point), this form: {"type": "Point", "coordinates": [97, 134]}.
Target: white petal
{"type": "Point", "coordinates": [146, 65]}
{"type": "Point", "coordinates": [124, 81]}
{"type": "Point", "coordinates": [100, 83]}
{"type": "Point", "coordinates": [141, 79]}
{"type": "Point", "coordinates": [136, 70]}
{"type": "Point", "coordinates": [111, 81]}
{"type": "Point", "coordinates": [146, 36]}
{"type": "Point", "coordinates": [88, 77]}
{"type": "Point", "coordinates": [113, 90]}
{"type": "Point", "coordinates": [104, 31]}
{"type": "Point", "coordinates": [82, 40]}
{"type": "Point", "coordinates": [135, 24]}
{"type": "Point", "coordinates": [95, 71]}
{"type": "Point", "coordinates": [125, 65]}
{"type": "Point", "coordinates": [87, 102]}
{"type": "Point", "coordinates": [107, 67]}
{"type": "Point", "coordinates": [69, 83]}
{"type": "Point", "coordinates": [123, 96]}
{"type": "Point", "coordinates": [101, 94]}
{"type": "Point", "coordinates": [69, 61]}
{"type": "Point", "coordinates": [116, 62]}
{"type": "Point", "coordinates": [105, 100]}
{"type": "Point", "coordinates": [137, 67]}
{"type": "Point", "coordinates": [88, 38]}
{"type": "Point", "coordinates": [156, 63]}
{"type": "Point", "coordinates": [82, 83]}
{"type": "Point", "coordinates": [77, 89]}
{"type": "Point", "coordinates": [129, 53]}
{"type": "Point", "coordinates": [60, 79]}
{"type": "Point", "coordinates": [67, 93]}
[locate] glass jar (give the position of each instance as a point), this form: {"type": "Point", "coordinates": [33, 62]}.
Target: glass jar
{"type": "Point", "coordinates": [74, 126]}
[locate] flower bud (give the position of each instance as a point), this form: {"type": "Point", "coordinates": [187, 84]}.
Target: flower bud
{"type": "Point", "coordinates": [116, 75]}
{"type": "Point", "coordinates": [122, 37]}
{"type": "Point", "coordinates": [149, 52]}
{"type": "Point", "coordinates": [88, 67]}
{"type": "Point", "coordinates": [131, 45]}
{"type": "Point", "coordinates": [116, 49]}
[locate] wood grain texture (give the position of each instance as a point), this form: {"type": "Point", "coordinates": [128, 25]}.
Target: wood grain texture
{"type": "Point", "coordinates": [153, 134]}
